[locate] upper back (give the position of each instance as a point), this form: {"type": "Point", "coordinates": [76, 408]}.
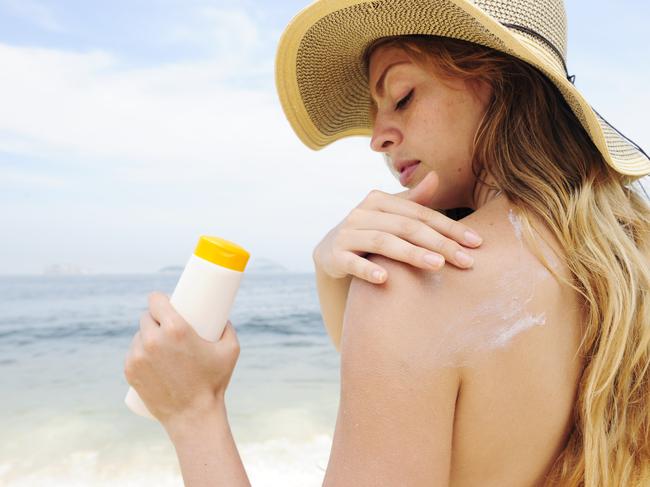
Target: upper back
{"type": "Point", "coordinates": [519, 347]}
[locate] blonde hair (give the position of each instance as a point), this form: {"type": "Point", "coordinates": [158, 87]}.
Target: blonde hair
{"type": "Point", "coordinates": [541, 157]}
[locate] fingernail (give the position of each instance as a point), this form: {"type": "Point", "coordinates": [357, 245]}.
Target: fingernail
{"type": "Point", "coordinates": [472, 239]}
{"type": "Point", "coordinates": [434, 260]}
{"type": "Point", "coordinates": [378, 275]}
{"type": "Point", "coordinates": [464, 259]}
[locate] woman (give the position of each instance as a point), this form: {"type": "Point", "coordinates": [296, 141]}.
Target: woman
{"type": "Point", "coordinates": [529, 369]}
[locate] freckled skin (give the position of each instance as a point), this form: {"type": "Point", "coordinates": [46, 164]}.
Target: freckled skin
{"type": "Point", "coordinates": [436, 126]}
{"type": "Point", "coordinates": [514, 329]}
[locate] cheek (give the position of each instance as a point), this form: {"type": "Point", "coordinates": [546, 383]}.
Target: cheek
{"type": "Point", "coordinates": [441, 128]}
{"type": "Point", "coordinates": [463, 115]}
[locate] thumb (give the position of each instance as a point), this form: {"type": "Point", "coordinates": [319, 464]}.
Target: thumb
{"type": "Point", "coordinates": [229, 336]}
{"type": "Point", "coordinates": [423, 191]}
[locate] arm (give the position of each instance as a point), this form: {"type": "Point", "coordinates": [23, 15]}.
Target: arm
{"type": "Point", "coordinates": [206, 450]}
{"type": "Point", "coordinates": [397, 405]}
{"type": "Point", "coordinates": [332, 294]}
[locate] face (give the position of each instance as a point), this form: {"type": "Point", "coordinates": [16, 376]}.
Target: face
{"type": "Point", "coordinates": [421, 117]}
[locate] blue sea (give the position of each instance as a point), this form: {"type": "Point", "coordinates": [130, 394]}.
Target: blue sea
{"type": "Point", "coordinates": [63, 421]}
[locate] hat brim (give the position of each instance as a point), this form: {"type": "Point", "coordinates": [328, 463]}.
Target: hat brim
{"type": "Point", "coordinates": [323, 89]}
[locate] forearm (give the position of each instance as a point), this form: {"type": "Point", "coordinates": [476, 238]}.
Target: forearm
{"type": "Point", "coordinates": [207, 452]}
{"type": "Point", "coordinates": [333, 295]}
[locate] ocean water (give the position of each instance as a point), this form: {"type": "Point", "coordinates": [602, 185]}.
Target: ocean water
{"type": "Point", "coordinates": [63, 421]}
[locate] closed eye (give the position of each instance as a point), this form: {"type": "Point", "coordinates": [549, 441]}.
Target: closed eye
{"type": "Point", "coordinates": [402, 103]}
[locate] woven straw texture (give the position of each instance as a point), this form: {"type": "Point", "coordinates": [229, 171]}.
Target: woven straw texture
{"type": "Point", "coordinates": [324, 90]}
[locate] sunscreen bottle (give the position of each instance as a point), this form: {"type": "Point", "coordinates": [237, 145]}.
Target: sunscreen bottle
{"type": "Point", "coordinates": [204, 294]}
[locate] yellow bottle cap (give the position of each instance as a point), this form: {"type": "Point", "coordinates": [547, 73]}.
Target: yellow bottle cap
{"type": "Point", "coordinates": [222, 252]}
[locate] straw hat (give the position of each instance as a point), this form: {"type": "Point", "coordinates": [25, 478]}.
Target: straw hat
{"type": "Point", "coordinates": [323, 88]}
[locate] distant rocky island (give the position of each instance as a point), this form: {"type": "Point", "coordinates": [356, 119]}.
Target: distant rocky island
{"type": "Point", "coordinates": [66, 270]}
{"type": "Point", "coordinates": [259, 265]}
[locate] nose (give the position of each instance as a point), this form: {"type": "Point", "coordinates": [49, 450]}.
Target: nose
{"type": "Point", "coordinates": [385, 136]}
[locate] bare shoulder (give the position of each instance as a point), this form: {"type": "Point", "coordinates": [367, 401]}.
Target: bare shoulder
{"type": "Point", "coordinates": [394, 389]}
{"type": "Point", "coordinates": [493, 343]}
{"type": "Point", "coordinates": [460, 313]}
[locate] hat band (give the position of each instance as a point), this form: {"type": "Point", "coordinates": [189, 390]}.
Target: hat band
{"type": "Point", "coordinates": [621, 134]}
{"type": "Point", "coordinates": [539, 36]}
{"type": "Point", "coordinates": [572, 77]}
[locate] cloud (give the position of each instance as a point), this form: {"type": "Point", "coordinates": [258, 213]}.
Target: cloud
{"type": "Point", "coordinates": [231, 36]}
{"type": "Point", "coordinates": [83, 105]}
{"type": "Point", "coordinates": [168, 153]}
{"type": "Point", "coordinates": [35, 12]}
{"type": "Point", "coordinates": [224, 29]}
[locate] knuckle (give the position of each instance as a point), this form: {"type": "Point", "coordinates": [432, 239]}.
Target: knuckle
{"type": "Point", "coordinates": [355, 215]}
{"type": "Point", "coordinates": [449, 246]}
{"type": "Point", "coordinates": [134, 362]}
{"type": "Point", "coordinates": [139, 358]}
{"type": "Point", "coordinates": [438, 243]}
{"type": "Point", "coordinates": [352, 265]}
{"type": "Point", "coordinates": [451, 227]}
{"type": "Point", "coordinates": [408, 227]}
{"type": "Point", "coordinates": [150, 345]}
{"type": "Point", "coordinates": [423, 213]}
{"type": "Point", "coordinates": [373, 195]}
{"type": "Point", "coordinates": [131, 371]}
{"type": "Point", "coordinates": [361, 270]}
{"type": "Point", "coordinates": [177, 330]}
{"type": "Point", "coordinates": [340, 238]}
{"type": "Point", "coordinates": [413, 254]}
{"type": "Point", "coordinates": [377, 241]}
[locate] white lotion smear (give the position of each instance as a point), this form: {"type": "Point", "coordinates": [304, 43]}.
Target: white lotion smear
{"type": "Point", "coordinates": [499, 317]}
{"type": "Point", "coordinates": [515, 221]}
{"type": "Point", "coordinates": [520, 326]}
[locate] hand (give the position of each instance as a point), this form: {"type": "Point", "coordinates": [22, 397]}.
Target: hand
{"type": "Point", "coordinates": [176, 372]}
{"type": "Point", "coordinates": [397, 226]}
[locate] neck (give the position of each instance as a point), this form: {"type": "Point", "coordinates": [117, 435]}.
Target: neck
{"type": "Point", "coordinates": [484, 193]}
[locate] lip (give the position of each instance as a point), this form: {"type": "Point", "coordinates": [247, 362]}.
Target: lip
{"type": "Point", "coordinates": [401, 165]}
{"type": "Point", "coordinates": [405, 175]}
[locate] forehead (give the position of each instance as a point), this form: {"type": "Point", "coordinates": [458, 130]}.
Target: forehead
{"type": "Point", "coordinates": [380, 60]}
{"type": "Point", "coordinates": [382, 57]}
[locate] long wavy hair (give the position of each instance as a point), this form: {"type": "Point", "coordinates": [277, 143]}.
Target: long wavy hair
{"type": "Point", "coordinates": [541, 157]}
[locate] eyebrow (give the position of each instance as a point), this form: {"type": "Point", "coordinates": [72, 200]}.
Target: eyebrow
{"type": "Point", "coordinates": [379, 88]}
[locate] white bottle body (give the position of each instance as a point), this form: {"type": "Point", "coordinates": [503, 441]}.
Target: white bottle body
{"type": "Point", "coordinates": [203, 296]}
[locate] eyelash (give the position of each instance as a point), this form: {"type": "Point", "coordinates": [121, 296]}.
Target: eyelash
{"type": "Point", "coordinates": [404, 101]}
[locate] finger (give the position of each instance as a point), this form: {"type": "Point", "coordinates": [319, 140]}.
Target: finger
{"type": "Point", "coordinates": [442, 224]}
{"type": "Point", "coordinates": [228, 340]}
{"type": "Point", "coordinates": [149, 328]}
{"type": "Point", "coordinates": [135, 349]}
{"type": "Point", "coordinates": [391, 246]}
{"type": "Point", "coordinates": [229, 332]}
{"type": "Point", "coordinates": [414, 231]}
{"type": "Point", "coordinates": [133, 358]}
{"type": "Point", "coordinates": [363, 268]}
{"type": "Point", "coordinates": [161, 309]}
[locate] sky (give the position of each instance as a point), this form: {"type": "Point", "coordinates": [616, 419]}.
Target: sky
{"type": "Point", "coordinates": [130, 128]}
